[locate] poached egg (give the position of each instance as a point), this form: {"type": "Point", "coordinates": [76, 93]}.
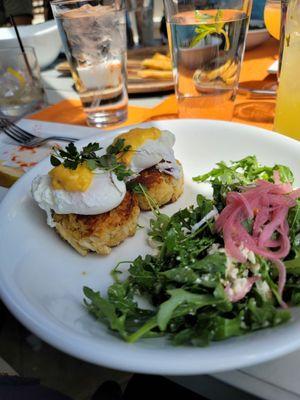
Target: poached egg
{"type": "Point", "coordinates": [149, 147]}
{"type": "Point", "coordinates": [79, 191]}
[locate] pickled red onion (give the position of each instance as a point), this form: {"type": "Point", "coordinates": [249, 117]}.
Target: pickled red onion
{"type": "Point", "coordinates": [266, 204]}
{"type": "Point", "coordinates": [282, 278]}
{"type": "Point", "coordinates": [234, 297]}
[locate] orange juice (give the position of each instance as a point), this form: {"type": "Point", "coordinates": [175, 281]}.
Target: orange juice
{"type": "Point", "coordinates": [288, 97]}
{"type": "Point", "coordinates": [272, 17]}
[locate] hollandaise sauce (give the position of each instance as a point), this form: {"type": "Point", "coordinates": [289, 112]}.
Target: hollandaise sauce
{"type": "Point", "coordinates": [136, 138]}
{"type": "Point", "coordinates": [71, 180]}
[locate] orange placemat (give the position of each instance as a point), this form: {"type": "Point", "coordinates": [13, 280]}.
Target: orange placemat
{"type": "Point", "coordinates": [71, 112]}
{"type": "Point", "coordinates": [252, 111]}
{"type": "Point", "coordinates": [258, 60]}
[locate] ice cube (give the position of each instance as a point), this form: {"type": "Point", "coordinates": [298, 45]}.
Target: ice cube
{"type": "Point", "coordinates": [93, 32]}
{"type": "Point", "coordinates": [101, 75]}
{"type": "Point", "coordinates": [10, 86]}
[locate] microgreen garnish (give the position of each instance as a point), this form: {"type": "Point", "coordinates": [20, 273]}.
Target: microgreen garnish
{"type": "Point", "coordinates": [70, 157]}
{"type": "Point", "coordinates": [140, 189]}
{"type": "Point", "coordinates": [204, 29]}
{"type": "Point", "coordinates": [136, 187]}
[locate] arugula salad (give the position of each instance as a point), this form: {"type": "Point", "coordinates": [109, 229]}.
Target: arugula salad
{"type": "Point", "coordinates": [225, 267]}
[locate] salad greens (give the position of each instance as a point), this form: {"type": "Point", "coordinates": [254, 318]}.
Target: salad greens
{"type": "Point", "coordinates": [226, 178]}
{"type": "Point", "coordinates": [184, 284]}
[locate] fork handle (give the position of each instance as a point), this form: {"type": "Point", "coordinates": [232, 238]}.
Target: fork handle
{"type": "Point", "coordinates": [60, 138]}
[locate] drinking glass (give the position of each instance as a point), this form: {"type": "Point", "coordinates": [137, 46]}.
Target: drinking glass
{"type": "Point", "coordinates": [93, 33]}
{"type": "Point", "coordinates": [207, 42]}
{"type": "Point", "coordinates": [275, 18]}
{"type": "Point", "coordinates": [272, 17]}
{"type": "Point", "coordinates": [140, 14]}
{"type": "Point", "coordinates": [288, 95]}
{"type": "Point", "coordinates": [20, 86]}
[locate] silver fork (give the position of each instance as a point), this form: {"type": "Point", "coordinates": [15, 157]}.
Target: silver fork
{"type": "Point", "coordinates": [25, 138]}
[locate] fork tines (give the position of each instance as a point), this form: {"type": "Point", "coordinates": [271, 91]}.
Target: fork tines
{"type": "Point", "coordinates": [14, 131]}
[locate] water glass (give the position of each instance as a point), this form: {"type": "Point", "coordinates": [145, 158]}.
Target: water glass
{"type": "Point", "coordinates": [20, 85]}
{"type": "Point", "coordinates": [207, 41]}
{"type": "Point", "coordinates": [93, 33]}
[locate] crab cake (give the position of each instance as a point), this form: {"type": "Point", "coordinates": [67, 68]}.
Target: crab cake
{"type": "Point", "coordinates": [163, 188]}
{"type": "Point", "coordinates": [151, 158]}
{"type": "Point", "coordinates": [86, 199]}
{"type": "Point", "coordinates": [99, 233]}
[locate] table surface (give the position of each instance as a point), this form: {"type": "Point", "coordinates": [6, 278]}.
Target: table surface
{"type": "Point", "coordinates": [274, 380]}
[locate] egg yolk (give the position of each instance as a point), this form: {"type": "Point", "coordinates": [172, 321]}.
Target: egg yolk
{"type": "Point", "coordinates": [136, 138]}
{"type": "Point", "coordinates": [71, 180]}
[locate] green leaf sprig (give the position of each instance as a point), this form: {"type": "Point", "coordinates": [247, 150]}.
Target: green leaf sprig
{"type": "Point", "coordinates": [71, 158]}
{"type": "Point", "coordinates": [206, 29]}
{"type": "Point", "coordinates": [138, 188]}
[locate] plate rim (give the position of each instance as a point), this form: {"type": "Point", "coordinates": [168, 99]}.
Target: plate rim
{"type": "Point", "coordinates": [66, 346]}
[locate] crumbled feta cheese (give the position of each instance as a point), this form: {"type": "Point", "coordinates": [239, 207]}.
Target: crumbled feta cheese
{"type": "Point", "coordinates": [230, 265]}
{"type": "Point", "coordinates": [251, 257]}
{"type": "Point", "coordinates": [248, 254]}
{"type": "Point", "coordinates": [263, 289]}
{"type": "Point", "coordinates": [244, 250]}
{"type": "Point", "coordinates": [255, 268]}
{"type": "Point", "coordinates": [245, 273]}
{"type": "Point", "coordinates": [233, 273]}
{"type": "Point", "coordinates": [230, 262]}
{"type": "Point", "coordinates": [213, 248]}
{"type": "Point", "coordinates": [185, 230]}
{"type": "Point", "coordinates": [240, 285]}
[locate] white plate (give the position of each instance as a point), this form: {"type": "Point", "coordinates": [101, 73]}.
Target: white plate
{"type": "Point", "coordinates": [273, 68]}
{"type": "Point", "coordinates": [256, 37]}
{"type": "Point", "coordinates": [41, 277]}
{"type": "Point", "coordinates": [44, 38]}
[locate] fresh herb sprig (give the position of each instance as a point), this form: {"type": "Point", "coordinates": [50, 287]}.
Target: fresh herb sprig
{"type": "Point", "coordinates": [138, 188]}
{"type": "Point", "coordinates": [205, 29]}
{"type": "Point", "coordinates": [71, 158]}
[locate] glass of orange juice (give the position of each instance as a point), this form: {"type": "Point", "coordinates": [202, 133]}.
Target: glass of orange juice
{"type": "Point", "coordinates": [272, 17]}
{"type": "Point", "coordinates": [288, 95]}
{"type": "Point", "coordinates": [275, 19]}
